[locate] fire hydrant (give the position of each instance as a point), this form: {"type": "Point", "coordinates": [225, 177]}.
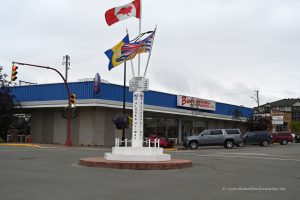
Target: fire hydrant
{"type": "Point", "coordinates": [29, 139]}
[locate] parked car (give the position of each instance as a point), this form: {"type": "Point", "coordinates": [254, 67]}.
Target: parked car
{"type": "Point", "coordinates": [282, 137]}
{"type": "Point", "coordinates": [262, 138]}
{"type": "Point", "coordinates": [226, 137]}
{"type": "Point", "coordinates": [163, 142]}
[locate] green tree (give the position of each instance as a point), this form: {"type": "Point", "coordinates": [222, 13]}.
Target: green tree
{"type": "Point", "coordinates": [7, 106]}
{"type": "Point", "coordinates": [295, 126]}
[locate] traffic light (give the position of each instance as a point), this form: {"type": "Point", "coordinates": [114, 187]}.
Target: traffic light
{"type": "Point", "coordinates": [73, 100]}
{"type": "Point", "coordinates": [14, 72]}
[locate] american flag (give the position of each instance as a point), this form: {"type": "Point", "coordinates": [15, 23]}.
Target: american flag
{"type": "Point", "coordinates": [131, 49]}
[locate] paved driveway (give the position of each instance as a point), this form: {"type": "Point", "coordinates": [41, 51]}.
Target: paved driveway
{"type": "Point", "coordinates": [250, 172]}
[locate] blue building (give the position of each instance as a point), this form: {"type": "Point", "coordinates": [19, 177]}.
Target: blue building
{"type": "Point", "coordinates": [166, 115]}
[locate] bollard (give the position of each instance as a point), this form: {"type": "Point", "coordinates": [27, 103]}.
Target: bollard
{"type": "Point", "coordinates": [125, 142]}
{"type": "Point", "coordinates": [117, 142]}
{"type": "Point", "coordinates": [28, 139]}
{"type": "Point", "coordinates": [158, 143]}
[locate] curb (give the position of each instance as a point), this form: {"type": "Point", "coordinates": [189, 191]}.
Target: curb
{"type": "Point", "coordinates": [18, 145]}
{"type": "Point", "coordinates": [135, 165]}
{"type": "Point", "coordinates": [170, 149]}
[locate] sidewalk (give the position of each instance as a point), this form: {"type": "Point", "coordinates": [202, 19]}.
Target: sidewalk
{"type": "Point", "coordinates": [19, 145]}
{"type": "Point", "coordinates": [41, 145]}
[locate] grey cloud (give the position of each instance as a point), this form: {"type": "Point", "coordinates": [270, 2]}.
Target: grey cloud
{"type": "Point", "coordinates": [219, 50]}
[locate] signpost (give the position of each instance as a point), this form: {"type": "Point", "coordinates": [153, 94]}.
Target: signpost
{"type": "Point", "coordinates": [138, 84]}
{"type": "Point", "coordinates": [278, 120]}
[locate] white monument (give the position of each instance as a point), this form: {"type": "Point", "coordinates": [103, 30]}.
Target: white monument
{"type": "Point", "coordinates": [137, 151]}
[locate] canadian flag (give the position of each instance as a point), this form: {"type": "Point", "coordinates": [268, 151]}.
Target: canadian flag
{"type": "Point", "coordinates": [123, 12]}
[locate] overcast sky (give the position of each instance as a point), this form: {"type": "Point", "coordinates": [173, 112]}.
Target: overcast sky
{"type": "Point", "coordinates": [221, 50]}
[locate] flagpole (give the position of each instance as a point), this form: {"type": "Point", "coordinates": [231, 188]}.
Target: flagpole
{"type": "Point", "coordinates": [132, 68]}
{"type": "Point", "coordinates": [140, 30]}
{"type": "Point", "coordinates": [131, 59]}
{"type": "Point", "coordinates": [149, 53]}
{"type": "Point", "coordinates": [124, 100]}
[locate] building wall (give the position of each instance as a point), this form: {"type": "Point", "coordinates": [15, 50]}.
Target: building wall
{"type": "Point", "coordinates": [94, 126]}
{"type": "Point", "coordinates": [60, 127]}
{"type": "Point", "coordinates": [75, 124]}
{"type": "Point", "coordinates": [36, 128]}
{"type": "Point", "coordinates": [99, 127]}
{"type": "Point", "coordinates": [48, 126]}
{"type": "Point", "coordinates": [287, 119]}
{"type": "Point", "coordinates": [86, 126]}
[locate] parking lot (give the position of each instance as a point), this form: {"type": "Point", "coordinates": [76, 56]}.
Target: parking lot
{"type": "Point", "coordinates": [250, 172]}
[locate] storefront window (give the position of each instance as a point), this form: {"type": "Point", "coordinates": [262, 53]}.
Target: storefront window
{"type": "Point", "coordinates": [162, 127]}
{"type": "Point", "coordinates": [191, 127]}
{"type": "Point", "coordinates": [283, 127]}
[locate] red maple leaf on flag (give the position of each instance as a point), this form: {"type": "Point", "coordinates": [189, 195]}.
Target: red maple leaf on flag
{"type": "Point", "coordinates": [125, 10]}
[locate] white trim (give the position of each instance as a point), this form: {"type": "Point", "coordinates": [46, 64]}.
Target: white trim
{"type": "Point", "coordinates": [118, 104]}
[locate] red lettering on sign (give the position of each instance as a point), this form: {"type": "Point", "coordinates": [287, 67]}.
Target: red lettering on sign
{"type": "Point", "coordinates": [183, 100]}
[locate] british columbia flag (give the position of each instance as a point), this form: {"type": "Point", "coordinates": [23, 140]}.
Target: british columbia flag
{"type": "Point", "coordinates": [134, 47]}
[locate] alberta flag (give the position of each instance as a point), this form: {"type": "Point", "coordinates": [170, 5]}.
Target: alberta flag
{"type": "Point", "coordinates": [116, 14]}
{"type": "Point", "coordinates": [115, 53]}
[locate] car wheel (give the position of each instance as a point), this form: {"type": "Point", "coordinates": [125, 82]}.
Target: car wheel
{"type": "Point", "coordinates": [228, 144]}
{"type": "Point", "coordinates": [284, 142]}
{"type": "Point", "coordinates": [193, 145]}
{"type": "Point", "coordinates": [265, 143]}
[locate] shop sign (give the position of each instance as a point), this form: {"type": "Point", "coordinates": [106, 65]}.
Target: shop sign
{"type": "Point", "coordinates": [277, 119]}
{"type": "Point", "coordinates": [192, 102]}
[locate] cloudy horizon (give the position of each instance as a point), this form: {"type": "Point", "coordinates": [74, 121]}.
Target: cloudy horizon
{"type": "Point", "coordinates": [218, 50]}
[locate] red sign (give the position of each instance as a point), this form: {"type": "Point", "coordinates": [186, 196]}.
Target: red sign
{"type": "Point", "coordinates": [192, 102]}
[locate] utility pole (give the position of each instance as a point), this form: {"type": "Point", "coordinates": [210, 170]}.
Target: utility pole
{"type": "Point", "coordinates": [257, 99]}
{"type": "Point", "coordinates": [66, 62]}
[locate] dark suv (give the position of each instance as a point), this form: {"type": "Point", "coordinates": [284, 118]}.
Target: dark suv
{"type": "Point", "coordinates": [282, 137]}
{"type": "Point", "coordinates": [262, 138]}
{"type": "Point", "coordinates": [226, 137]}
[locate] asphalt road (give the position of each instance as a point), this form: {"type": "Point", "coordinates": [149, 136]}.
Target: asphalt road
{"type": "Point", "coordinates": [250, 172]}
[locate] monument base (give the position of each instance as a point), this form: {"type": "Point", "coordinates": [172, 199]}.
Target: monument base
{"type": "Point", "coordinates": [137, 154]}
{"type": "Point", "coordinates": [135, 165]}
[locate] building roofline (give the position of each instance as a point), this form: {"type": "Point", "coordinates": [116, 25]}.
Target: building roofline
{"type": "Point", "coordinates": [108, 83]}
{"type": "Point", "coordinates": [117, 104]}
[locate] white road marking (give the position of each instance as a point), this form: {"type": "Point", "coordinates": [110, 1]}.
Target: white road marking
{"type": "Point", "coordinates": [253, 154]}
{"type": "Point", "coordinates": [250, 157]}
